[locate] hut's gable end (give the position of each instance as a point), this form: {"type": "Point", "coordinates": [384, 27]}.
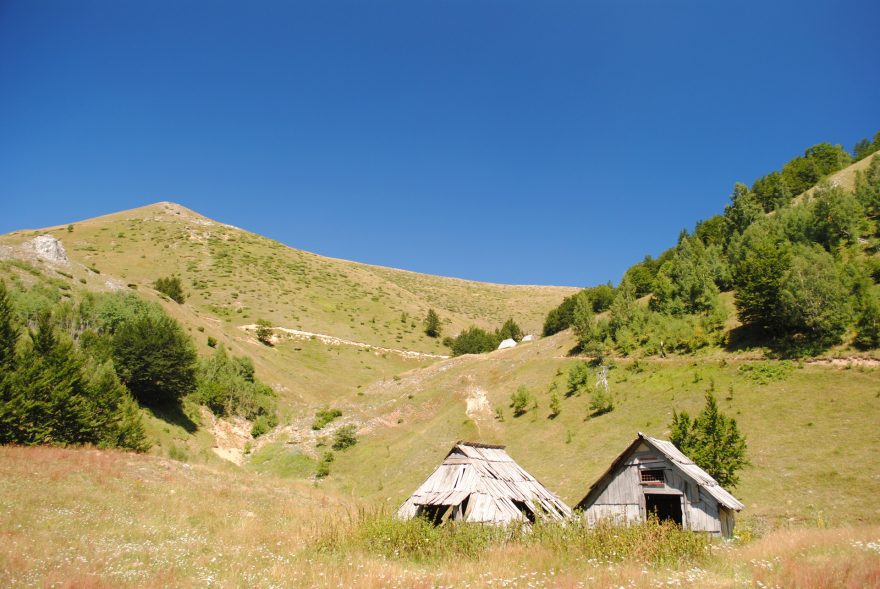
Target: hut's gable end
{"type": "Point", "coordinates": [649, 477]}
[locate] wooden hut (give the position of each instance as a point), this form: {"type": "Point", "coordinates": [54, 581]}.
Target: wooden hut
{"type": "Point", "coordinates": [481, 483]}
{"type": "Point", "coordinates": [653, 476]}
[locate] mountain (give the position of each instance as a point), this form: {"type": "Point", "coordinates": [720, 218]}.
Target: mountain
{"type": "Point", "coordinates": [350, 336]}
{"type": "Point", "coordinates": [233, 278]}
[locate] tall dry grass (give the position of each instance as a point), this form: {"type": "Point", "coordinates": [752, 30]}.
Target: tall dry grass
{"type": "Point", "coordinates": [88, 518]}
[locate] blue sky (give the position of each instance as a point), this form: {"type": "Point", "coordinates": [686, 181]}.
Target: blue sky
{"type": "Point", "coordinates": [519, 142]}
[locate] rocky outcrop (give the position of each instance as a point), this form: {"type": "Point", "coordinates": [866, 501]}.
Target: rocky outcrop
{"type": "Point", "coordinates": [50, 249]}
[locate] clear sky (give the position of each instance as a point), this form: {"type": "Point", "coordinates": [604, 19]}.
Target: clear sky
{"type": "Point", "coordinates": [521, 142]}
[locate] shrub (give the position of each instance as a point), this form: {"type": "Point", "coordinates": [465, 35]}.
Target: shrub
{"type": "Point", "coordinates": [260, 426]}
{"type": "Point", "coordinates": [264, 332]}
{"type": "Point", "coordinates": [767, 372]}
{"type": "Point", "coordinates": [171, 287]}
{"type": "Point", "coordinates": [325, 416]}
{"type": "Point", "coordinates": [578, 378]}
{"type": "Point", "coordinates": [474, 340]}
{"type": "Point", "coordinates": [555, 405]}
{"type": "Point", "coordinates": [344, 437]}
{"type": "Point", "coordinates": [227, 386]}
{"type": "Point", "coordinates": [601, 402]}
{"type": "Point", "coordinates": [510, 330]}
{"type": "Point", "coordinates": [323, 468]}
{"type": "Point", "coordinates": [521, 400]}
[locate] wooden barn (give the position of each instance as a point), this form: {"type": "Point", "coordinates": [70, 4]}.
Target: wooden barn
{"type": "Point", "coordinates": [481, 483]}
{"type": "Point", "coordinates": [653, 476]}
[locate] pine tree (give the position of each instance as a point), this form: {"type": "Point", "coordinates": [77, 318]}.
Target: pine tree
{"type": "Point", "coordinates": [8, 332]}
{"type": "Point", "coordinates": [555, 405]}
{"type": "Point", "coordinates": [712, 440]}
{"type": "Point", "coordinates": [432, 324]}
{"type": "Point", "coordinates": [8, 341]}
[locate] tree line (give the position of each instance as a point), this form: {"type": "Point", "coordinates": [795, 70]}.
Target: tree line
{"type": "Point", "coordinates": [76, 371]}
{"type": "Point", "coordinates": [803, 273]}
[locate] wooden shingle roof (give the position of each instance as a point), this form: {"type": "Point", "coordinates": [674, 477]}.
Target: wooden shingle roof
{"type": "Point", "coordinates": [496, 487]}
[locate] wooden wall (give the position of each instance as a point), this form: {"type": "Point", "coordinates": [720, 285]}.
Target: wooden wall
{"type": "Point", "coordinates": [621, 495]}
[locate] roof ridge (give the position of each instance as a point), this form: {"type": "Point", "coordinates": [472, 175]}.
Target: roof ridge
{"type": "Point", "coordinates": [480, 445]}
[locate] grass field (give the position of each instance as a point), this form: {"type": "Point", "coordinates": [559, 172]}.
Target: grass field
{"type": "Point", "coordinates": [810, 428]}
{"type": "Point", "coordinates": [87, 518]}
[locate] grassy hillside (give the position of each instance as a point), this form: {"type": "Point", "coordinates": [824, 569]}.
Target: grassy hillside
{"type": "Point", "coordinates": [236, 277]}
{"type": "Point", "coordinates": [409, 410]}
{"type": "Point", "coordinates": [233, 277]}
{"type": "Point", "coordinates": [810, 427]}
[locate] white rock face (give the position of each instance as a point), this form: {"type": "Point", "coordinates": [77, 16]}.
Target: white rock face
{"type": "Point", "coordinates": [529, 338]}
{"type": "Point", "coordinates": [50, 249]}
{"type": "Point", "coordinates": [508, 343]}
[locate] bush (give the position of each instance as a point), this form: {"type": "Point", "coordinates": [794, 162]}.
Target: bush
{"type": "Point", "coordinates": [579, 377]}
{"type": "Point", "coordinates": [323, 468]}
{"type": "Point", "coordinates": [260, 426]}
{"type": "Point", "coordinates": [601, 402]}
{"type": "Point", "coordinates": [325, 416]}
{"type": "Point", "coordinates": [264, 332]}
{"type": "Point", "coordinates": [767, 372]}
{"type": "Point", "coordinates": [555, 405]}
{"type": "Point", "coordinates": [521, 401]}
{"type": "Point", "coordinates": [510, 330]}
{"type": "Point", "coordinates": [474, 340]}
{"type": "Point", "coordinates": [227, 386]}
{"type": "Point", "coordinates": [171, 287]}
{"type": "Point", "coordinates": [344, 437]}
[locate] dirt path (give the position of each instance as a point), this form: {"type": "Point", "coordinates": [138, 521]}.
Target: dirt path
{"type": "Point", "coordinates": [331, 340]}
{"type": "Point", "coordinates": [851, 362]}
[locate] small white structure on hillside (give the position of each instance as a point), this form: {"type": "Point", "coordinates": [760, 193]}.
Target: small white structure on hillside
{"type": "Point", "coordinates": [529, 338]}
{"type": "Point", "coordinates": [508, 343]}
{"type": "Point", "coordinates": [481, 483]}
{"type": "Point", "coordinates": [653, 477]}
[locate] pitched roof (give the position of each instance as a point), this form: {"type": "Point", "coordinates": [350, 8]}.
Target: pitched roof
{"type": "Point", "coordinates": [685, 464]}
{"type": "Point", "coordinates": [492, 483]}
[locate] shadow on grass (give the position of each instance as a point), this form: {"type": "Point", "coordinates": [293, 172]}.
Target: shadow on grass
{"type": "Point", "coordinates": [173, 414]}
{"type": "Point", "coordinates": [787, 347]}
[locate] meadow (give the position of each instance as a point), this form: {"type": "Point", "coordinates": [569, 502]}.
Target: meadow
{"type": "Point", "coordinates": [88, 518]}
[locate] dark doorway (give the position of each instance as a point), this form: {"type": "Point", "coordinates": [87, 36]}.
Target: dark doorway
{"type": "Point", "coordinates": [436, 514]}
{"type": "Point", "coordinates": [663, 506]}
